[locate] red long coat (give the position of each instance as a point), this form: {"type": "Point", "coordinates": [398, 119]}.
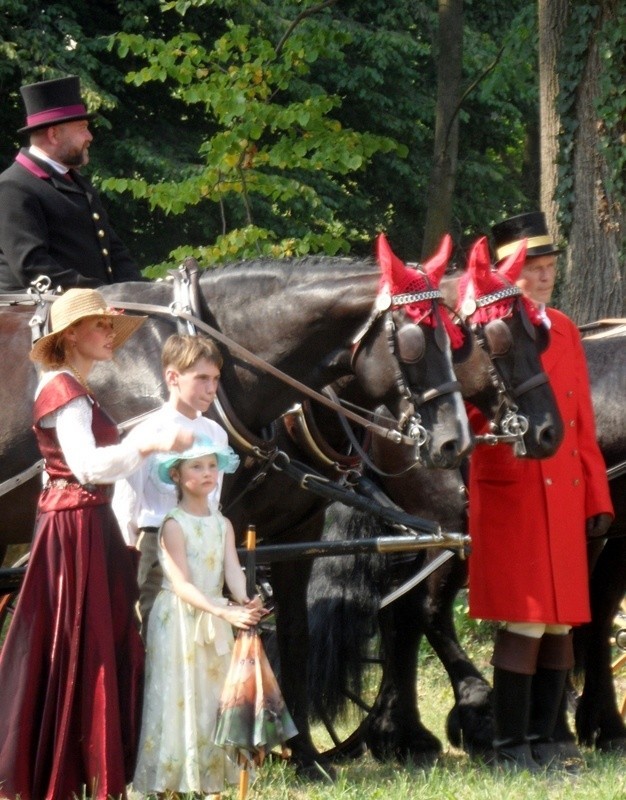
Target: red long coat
{"type": "Point", "coordinates": [527, 517]}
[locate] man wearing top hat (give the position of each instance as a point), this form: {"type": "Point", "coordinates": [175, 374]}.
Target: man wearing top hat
{"type": "Point", "coordinates": [529, 520]}
{"type": "Point", "coordinates": [52, 221]}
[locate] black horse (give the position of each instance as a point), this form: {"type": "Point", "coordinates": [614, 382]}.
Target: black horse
{"type": "Point", "coordinates": [344, 601]}
{"type": "Point", "coordinates": [314, 319]}
{"type": "Point", "coordinates": [300, 316]}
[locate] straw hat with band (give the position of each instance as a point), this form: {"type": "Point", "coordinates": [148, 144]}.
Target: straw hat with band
{"type": "Point", "coordinates": [52, 103]}
{"type": "Point", "coordinates": [76, 305]}
{"type": "Point", "coordinates": [532, 226]}
{"type": "Point", "coordinates": [227, 459]}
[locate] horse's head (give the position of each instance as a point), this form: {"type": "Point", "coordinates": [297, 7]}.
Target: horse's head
{"type": "Point", "coordinates": [403, 355]}
{"type": "Point", "coordinates": [503, 376]}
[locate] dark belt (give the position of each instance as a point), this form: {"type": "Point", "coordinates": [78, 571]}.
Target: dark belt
{"type": "Point", "coordinates": [149, 529]}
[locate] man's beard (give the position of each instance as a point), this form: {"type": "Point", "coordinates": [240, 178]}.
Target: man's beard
{"type": "Point", "coordinates": [74, 157]}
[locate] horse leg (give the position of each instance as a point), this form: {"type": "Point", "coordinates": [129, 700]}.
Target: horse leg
{"type": "Point", "coordinates": [470, 722]}
{"type": "Point", "coordinates": [598, 718]}
{"type": "Point", "coordinates": [394, 727]}
{"type": "Point", "coordinates": [289, 584]}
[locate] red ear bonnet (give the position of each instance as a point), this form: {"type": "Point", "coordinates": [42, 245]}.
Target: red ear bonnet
{"type": "Point", "coordinates": [481, 280]}
{"type": "Point", "coordinates": [398, 279]}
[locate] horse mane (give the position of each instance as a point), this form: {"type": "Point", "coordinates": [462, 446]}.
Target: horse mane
{"type": "Point", "coordinates": [289, 271]}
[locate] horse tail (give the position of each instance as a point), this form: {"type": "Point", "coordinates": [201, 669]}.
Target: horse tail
{"type": "Point", "coordinates": [343, 601]}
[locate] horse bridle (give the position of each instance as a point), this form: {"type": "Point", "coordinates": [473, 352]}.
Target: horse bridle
{"type": "Point", "coordinates": [407, 344]}
{"type": "Point", "coordinates": [494, 337]}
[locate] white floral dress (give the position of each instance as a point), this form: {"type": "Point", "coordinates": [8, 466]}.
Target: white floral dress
{"type": "Point", "coordinates": [187, 658]}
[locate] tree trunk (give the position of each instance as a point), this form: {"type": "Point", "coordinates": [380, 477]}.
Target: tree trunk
{"type": "Point", "coordinates": [552, 22]}
{"type": "Point", "coordinates": [593, 287]}
{"type": "Point", "coordinates": [591, 283]}
{"type": "Point", "coordinates": [443, 173]}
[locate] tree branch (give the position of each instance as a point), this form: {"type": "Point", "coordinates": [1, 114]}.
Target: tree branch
{"type": "Point", "coordinates": [303, 15]}
{"type": "Point", "coordinates": [469, 90]}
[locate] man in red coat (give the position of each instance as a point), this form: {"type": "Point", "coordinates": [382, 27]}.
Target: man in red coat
{"type": "Point", "coordinates": [529, 520]}
{"type": "Point", "coordinates": [52, 221]}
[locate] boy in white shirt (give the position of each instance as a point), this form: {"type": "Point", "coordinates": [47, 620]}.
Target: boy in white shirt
{"type": "Point", "coordinates": [191, 366]}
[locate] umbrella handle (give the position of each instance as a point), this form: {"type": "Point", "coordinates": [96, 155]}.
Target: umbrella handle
{"type": "Point", "coordinates": [244, 779]}
{"type": "Point", "coordinates": [251, 561]}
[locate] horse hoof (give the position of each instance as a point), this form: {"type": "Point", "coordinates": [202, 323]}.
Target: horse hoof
{"type": "Point", "coordinates": [516, 758]}
{"type": "Point", "coordinates": [558, 756]}
{"type": "Point", "coordinates": [317, 771]}
{"type": "Point", "coordinates": [616, 745]}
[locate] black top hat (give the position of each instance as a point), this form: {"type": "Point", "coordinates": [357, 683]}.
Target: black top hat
{"type": "Point", "coordinates": [532, 226]}
{"type": "Point", "coordinates": [53, 102]}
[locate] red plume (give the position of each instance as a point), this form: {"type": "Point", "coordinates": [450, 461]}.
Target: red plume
{"type": "Point", "coordinates": [393, 269]}
{"type": "Point", "coordinates": [437, 264]}
{"type": "Point", "coordinates": [512, 266]}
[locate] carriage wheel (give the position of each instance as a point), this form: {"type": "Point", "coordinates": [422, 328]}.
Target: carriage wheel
{"type": "Point", "coordinates": [342, 739]}
{"type": "Point", "coordinates": [620, 663]}
{"type": "Point", "coordinates": [9, 600]}
{"type": "Point", "coordinates": [345, 738]}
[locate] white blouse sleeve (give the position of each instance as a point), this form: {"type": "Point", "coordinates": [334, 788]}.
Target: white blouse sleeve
{"type": "Point", "coordinates": [89, 463]}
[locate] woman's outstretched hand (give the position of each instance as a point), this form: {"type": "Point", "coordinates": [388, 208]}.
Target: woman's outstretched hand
{"type": "Point", "coordinates": [172, 439]}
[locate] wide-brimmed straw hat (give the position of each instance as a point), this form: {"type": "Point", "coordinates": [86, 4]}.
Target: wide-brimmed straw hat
{"type": "Point", "coordinates": [227, 459]}
{"type": "Point", "coordinates": [76, 305]}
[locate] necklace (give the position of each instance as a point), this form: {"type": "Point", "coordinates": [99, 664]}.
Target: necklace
{"type": "Point", "coordinates": [79, 377]}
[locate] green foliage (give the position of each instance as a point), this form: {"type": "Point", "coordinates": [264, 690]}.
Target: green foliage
{"type": "Point", "coordinates": [499, 119]}
{"type": "Point", "coordinates": [272, 154]}
{"type": "Point", "coordinates": [229, 129]}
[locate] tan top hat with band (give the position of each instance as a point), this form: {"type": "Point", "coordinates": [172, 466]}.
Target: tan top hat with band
{"type": "Point", "coordinates": [532, 226]}
{"type": "Point", "coordinates": [52, 103]}
{"type": "Point", "coordinates": [78, 304]}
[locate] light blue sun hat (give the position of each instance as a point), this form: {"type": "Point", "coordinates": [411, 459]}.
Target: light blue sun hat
{"type": "Point", "coordinates": [227, 459]}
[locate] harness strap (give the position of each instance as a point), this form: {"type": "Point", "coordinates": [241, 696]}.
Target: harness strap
{"type": "Point", "coordinates": [438, 391]}
{"type": "Point", "coordinates": [318, 484]}
{"type": "Point", "coordinates": [24, 476]}
{"type": "Point", "coordinates": [237, 432]}
{"type": "Point", "coordinates": [187, 293]}
{"type": "Point", "coordinates": [532, 383]}
{"type": "Point", "coordinates": [361, 450]}
{"type": "Point", "coordinates": [251, 358]}
{"type": "Point", "coordinates": [300, 424]}
{"type": "Point", "coordinates": [173, 311]}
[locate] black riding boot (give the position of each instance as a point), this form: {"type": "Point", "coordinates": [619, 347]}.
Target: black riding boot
{"type": "Point", "coordinates": [554, 660]}
{"type": "Point", "coordinates": [514, 659]}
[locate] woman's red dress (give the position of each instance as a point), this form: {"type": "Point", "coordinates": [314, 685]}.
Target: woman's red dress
{"type": "Point", "coordinates": [71, 667]}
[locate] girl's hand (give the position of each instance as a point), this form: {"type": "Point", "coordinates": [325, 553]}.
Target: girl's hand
{"type": "Point", "coordinates": [243, 617]}
{"type": "Point", "coordinates": [256, 603]}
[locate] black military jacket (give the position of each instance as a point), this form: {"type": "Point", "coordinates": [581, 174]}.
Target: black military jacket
{"type": "Point", "coordinates": [50, 225]}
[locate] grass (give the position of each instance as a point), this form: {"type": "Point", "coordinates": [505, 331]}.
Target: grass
{"type": "Point", "coordinates": [454, 776]}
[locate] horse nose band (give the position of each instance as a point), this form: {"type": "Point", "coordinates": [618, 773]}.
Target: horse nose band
{"type": "Point", "coordinates": [495, 338]}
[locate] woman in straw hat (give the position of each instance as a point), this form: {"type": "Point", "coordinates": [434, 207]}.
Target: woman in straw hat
{"type": "Point", "coordinates": [72, 664]}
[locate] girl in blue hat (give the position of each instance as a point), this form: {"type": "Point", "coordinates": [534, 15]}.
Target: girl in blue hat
{"type": "Point", "coordinates": [190, 635]}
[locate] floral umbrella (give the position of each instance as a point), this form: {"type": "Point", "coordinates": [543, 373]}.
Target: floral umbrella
{"type": "Point", "coordinates": [252, 716]}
